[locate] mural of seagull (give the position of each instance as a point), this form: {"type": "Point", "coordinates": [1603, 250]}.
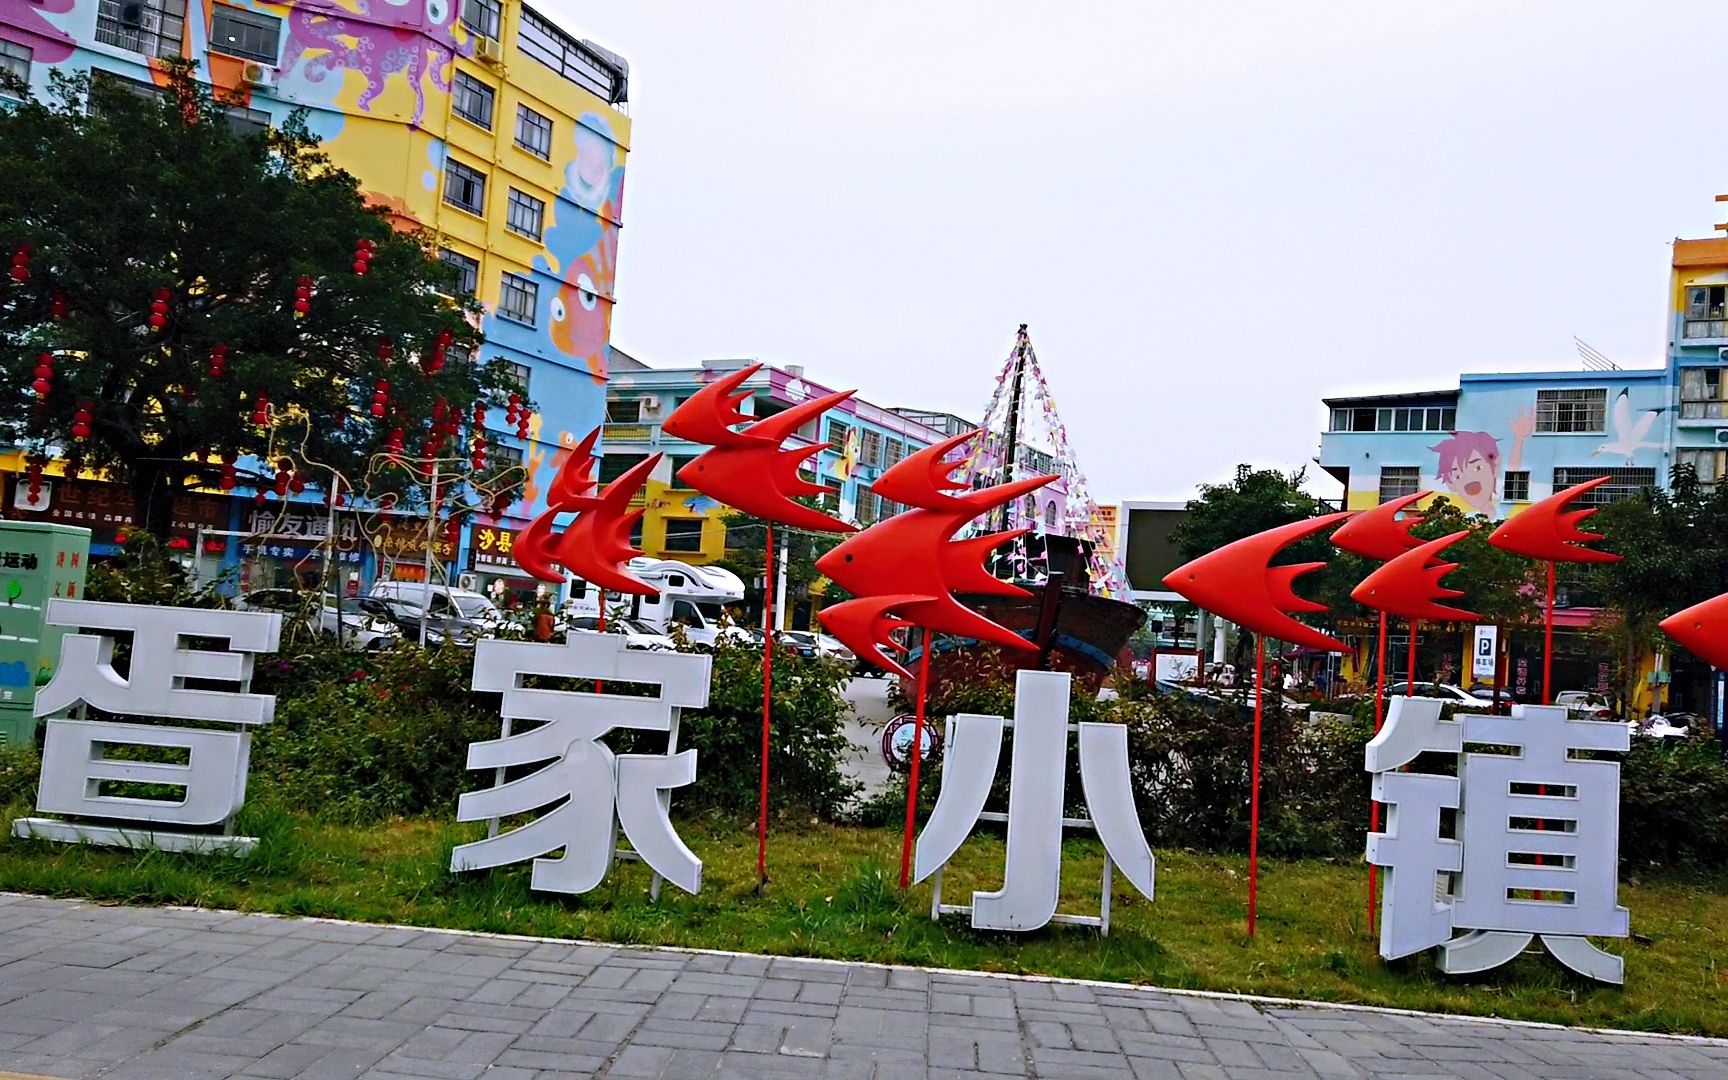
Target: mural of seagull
{"type": "Point", "coordinates": [1628, 433]}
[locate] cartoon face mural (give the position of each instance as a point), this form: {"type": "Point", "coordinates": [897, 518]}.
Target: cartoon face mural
{"type": "Point", "coordinates": [1470, 464]}
{"type": "Point", "coordinates": [581, 316]}
{"type": "Point", "coordinates": [582, 246]}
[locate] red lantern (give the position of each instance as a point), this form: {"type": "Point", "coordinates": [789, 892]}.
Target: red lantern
{"type": "Point", "coordinates": [362, 256]}
{"type": "Point", "coordinates": [81, 421]}
{"type": "Point", "coordinates": [159, 309]}
{"type": "Point", "coordinates": [302, 296]}
{"type": "Point", "coordinates": [21, 262]}
{"type": "Point", "coordinates": [44, 375]}
{"type": "Point", "coordinates": [58, 305]}
{"type": "Point", "coordinates": [260, 409]}
{"type": "Point", "coordinates": [218, 360]}
{"type": "Point", "coordinates": [385, 349]}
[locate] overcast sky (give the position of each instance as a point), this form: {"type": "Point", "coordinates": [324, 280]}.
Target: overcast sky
{"type": "Point", "coordinates": [1211, 215]}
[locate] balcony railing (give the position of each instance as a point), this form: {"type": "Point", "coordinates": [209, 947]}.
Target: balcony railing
{"type": "Point", "coordinates": [1706, 328]}
{"type": "Point", "coordinates": [629, 432]}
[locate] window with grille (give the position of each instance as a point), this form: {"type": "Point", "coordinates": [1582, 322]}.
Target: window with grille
{"type": "Point", "coordinates": [1571, 412]}
{"type": "Point", "coordinates": [472, 100]}
{"type": "Point", "coordinates": [837, 433]}
{"type": "Point", "coordinates": [1396, 481]}
{"type": "Point", "coordinates": [892, 451]}
{"type": "Point", "coordinates": [1622, 484]}
{"type": "Point", "coordinates": [517, 298]}
{"type": "Point", "coordinates": [15, 61]}
{"type": "Point", "coordinates": [1706, 311]}
{"type": "Point", "coordinates": [467, 271]}
{"type": "Point", "coordinates": [483, 17]}
{"type": "Point", "coordinates": [1396, 418]}
{"type": "Point", "coordinates": [151, 27]}
{"type": "Point", "coordinates": [683, 534]}
{"type": "Point", "coordinates": [624, 411]}
{"type": "Point", "coordinates": [503, 455]}
{"type": "Point", "coordinates": [464, 187]}
{"type": "Point", "coordinates": [534, 132]}
{"type": "Point", "coordinates": [518, 374]}
{"type": "Point", "coordinates": [866, 509]}
{"type": "Point", "coordinates": [612, 466]}
{"type": "Point", "coordinates": [251, 35]}
{"type": "Point", "coordinates": [1703, 394]}
{"type": "Point", "coordinates": [243, 121]}
{"type": "Point", "coordinates": [574, 60]}
{"type": "Point", "coordinates": [525, 215]}
{"type": "Point", "coordinates": [1516, 486]}
{"type": "Point", "coordinates": [870, 447]}
{"type": "Point", "coordinates": [1708, 464]}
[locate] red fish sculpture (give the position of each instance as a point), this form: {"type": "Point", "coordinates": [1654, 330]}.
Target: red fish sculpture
{"type": "Point", "coordinates": [1237, 583]}
{"type": "Point", "coordinates": [1703, 629]}
{"type": "Point", "coordinates": [1408, 584]}
{"type": "Point", "coordinates": [1546, 530]}
{"type": "Point", "coordinates": [905, 570]}
{"type": "Point", "coordinates": [1380, 534]}
{"type": "Point", "coordinates": [747, 470]}
{"type": "Point", "coordinates": [596, 546]}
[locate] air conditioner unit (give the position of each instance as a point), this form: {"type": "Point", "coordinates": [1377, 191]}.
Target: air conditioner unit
{"type": "Point", "coordinates": [469, 581]}
{"type": "Point", "coordinates": [650, 403]}
{"type": "Point", "coordinates": [488, 51]}
{"type": "Point", "coordinates": [1722, 436]}
{"type": "Point", "coordinates": [260, 76]}
{"type": "Point", "coordinates": [1722, 355]}
{"type": "Point", "coordinates": [21, 497]}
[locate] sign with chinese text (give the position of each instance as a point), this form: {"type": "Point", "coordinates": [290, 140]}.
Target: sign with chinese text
{"type": "Point", "coordinates": [492, 546]}
{"type": "Point", "coordinates": [38, 563]}
{"type": "Point", "coordinates": [107, 510]}
{"type": "Point", "coordinates": [1483, 663]}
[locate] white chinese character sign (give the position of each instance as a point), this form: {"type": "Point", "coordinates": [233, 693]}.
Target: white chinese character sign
{"type": "Point", "coordinates": [1535, 852]}
{"type": "Point", "coordinates": [166, 677]}
{"type": "Point", "coordinates": [1032, 874]}
{"type": "Point", "coordinates": [583, 792]}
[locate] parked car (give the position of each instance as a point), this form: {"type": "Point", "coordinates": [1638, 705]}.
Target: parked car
{"type": "Point", "coordinates": [1674, 725]}
{"type": "Point", "coordinates": [1584, 705]}
{"type": "Point", "coordinates": [1486, 693]}
{"type": "Point", "coordinates": [361, 630]}
{"type": "Point", "coordinates": [800, 642]}
{"type": "Point", "coordinates": [637, 635]}
{"type": "Point", "coordinates": [440, 626]}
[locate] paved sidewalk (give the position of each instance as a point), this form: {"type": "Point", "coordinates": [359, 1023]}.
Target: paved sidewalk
{"type": "Point", "coordinates": [146, 993]}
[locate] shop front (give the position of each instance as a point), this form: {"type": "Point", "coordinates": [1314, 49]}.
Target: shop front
{"type": "Point", "coordinates": [493, 570]}
{"type": "Point", "coordinates": [109, 512]}
{"type": "Point", "coordinates": [285, 547]}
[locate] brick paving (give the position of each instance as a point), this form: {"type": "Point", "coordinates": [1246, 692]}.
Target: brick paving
{"type": "Point", "coordinates": [163, 994]}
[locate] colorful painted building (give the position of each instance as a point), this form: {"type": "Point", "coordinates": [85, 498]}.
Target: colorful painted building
{"type": "Point", "coordinates": [480, 121]}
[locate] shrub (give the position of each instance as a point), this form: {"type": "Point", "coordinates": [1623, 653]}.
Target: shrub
{"type": "Point", "coordinates": [1674, 803]}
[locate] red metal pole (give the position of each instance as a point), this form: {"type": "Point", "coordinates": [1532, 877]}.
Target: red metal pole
{"type": "Point", "coordinates": [1374, 807]}
{"type": "Point", "coordinates": [767, 699]}
{"type": "Point", "coordinates": [599, 685]}
{"type": "Point", "coordinates": [917, 754]}
{"type": "Point", "coordinates": [1410, 683]}
{"type": "Point", "coordinates": [1548, 642]}
{"type": "Point", "coordinates": [1254, 796]}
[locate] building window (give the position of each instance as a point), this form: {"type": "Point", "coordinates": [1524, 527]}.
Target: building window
{"type": "Point", "coordinates": [15, 61]}
{"type": "Point", "coordinates": [1571, 412]}
{"type": "Point", "coordinates": [870, 446]}
{"type": "Point", "coordinates": [582, 64]}
{"type": "Point", "coordinates": [465, 187]}
{"type": "Point", "coordinates": [1397, 481]}
{"type": "Point", "coordinates": [624, 411]}
{"type": "Point", "coordinates": [1708, 464]}
{"type": "Point", "coordinates": [1517, 486]}
{"type": "Point", "coordinates": [458, 356]}
{"type": "Point", "coordinates": [243, 122]}
{"type": "Point", "coordinates": [534, 132]}
{"type": "Point", "coordinates": [483, 17]}
{"type": "Point", "coordinates": [504, 455]}
{"type": "Point", "coordinates": [517, 298]}
{"type": "Point", "coordinates": [251, 35]}
{"type": "Point", "coordinates": [1050, 518]}
{"type": "Point", "coordinates": [837, 433]}
{"type": "Point", "coordinates": [467, 270]}
{"type": "Point", "coordinates": [1706, 311]}
{"type": "Point", "coordinates": [683, 534]}
{"type": "Point", "coordinates": [518, 374]}
{"type": "Point", "coordinates": [892, 451]}
{"type": "Point", "coordinates": [1396, 418]}
{"type": "Point", "coordinates": [151, 27]}
{"type": "Point", "coordinates": [1622, 484]}
{"type": "Point", "coordinates": [612, 466]}
{"type": "Point", "coordinates": [524, 214]}
{"type": "Point", "coordinates": [1703, 394]}
{"type": "Point", "coordinates": [472, 100]}
{"type": "Point", "coordinates": [865, 510]}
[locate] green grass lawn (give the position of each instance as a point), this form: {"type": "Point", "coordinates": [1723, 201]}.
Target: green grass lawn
{"type": "Point", "coordinates": [834, 893]}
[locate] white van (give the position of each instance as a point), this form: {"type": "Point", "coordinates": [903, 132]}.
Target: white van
{"type": "Point", "coordinates": [691, 597]}
{"type": "Point", "coordinates": [460, 614]}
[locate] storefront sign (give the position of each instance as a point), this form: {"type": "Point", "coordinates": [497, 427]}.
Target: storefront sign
{"type": "Point", "coordinates": [406, 539]}
{"type": "Point", "coordinates": [107, 510]}
{"type": "Point", "coordinates": [1484, 664]}
{"type": "Point", "coordinates": [493, 546]}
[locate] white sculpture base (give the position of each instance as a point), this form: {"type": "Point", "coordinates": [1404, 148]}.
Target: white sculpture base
{"type": "Point", "coordinates": [74, 832]}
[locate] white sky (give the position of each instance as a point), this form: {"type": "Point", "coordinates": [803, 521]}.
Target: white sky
{"type": "Point", "coordinates": [1211, 215]}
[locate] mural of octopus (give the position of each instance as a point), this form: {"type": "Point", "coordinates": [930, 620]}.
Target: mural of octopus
{"type": "Point", "coordinates": [381, 39]}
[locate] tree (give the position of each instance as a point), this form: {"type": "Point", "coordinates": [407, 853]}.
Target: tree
{"type": "Point", "coordinates": [1673, 548]}
{"type": "Point", "coordinates": [745, 549]}
{"type": "Point", "coordinates": [185, 297]}
{"type": "Point", "coordinates": [1256, 500]}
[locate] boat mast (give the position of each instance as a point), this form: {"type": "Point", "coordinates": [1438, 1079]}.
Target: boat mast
{"type": "Point", "coordinates": [1011, 449]}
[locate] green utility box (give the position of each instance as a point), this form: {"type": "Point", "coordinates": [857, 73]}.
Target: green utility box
{"type": "Point", "coordinates": [38, 562]}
